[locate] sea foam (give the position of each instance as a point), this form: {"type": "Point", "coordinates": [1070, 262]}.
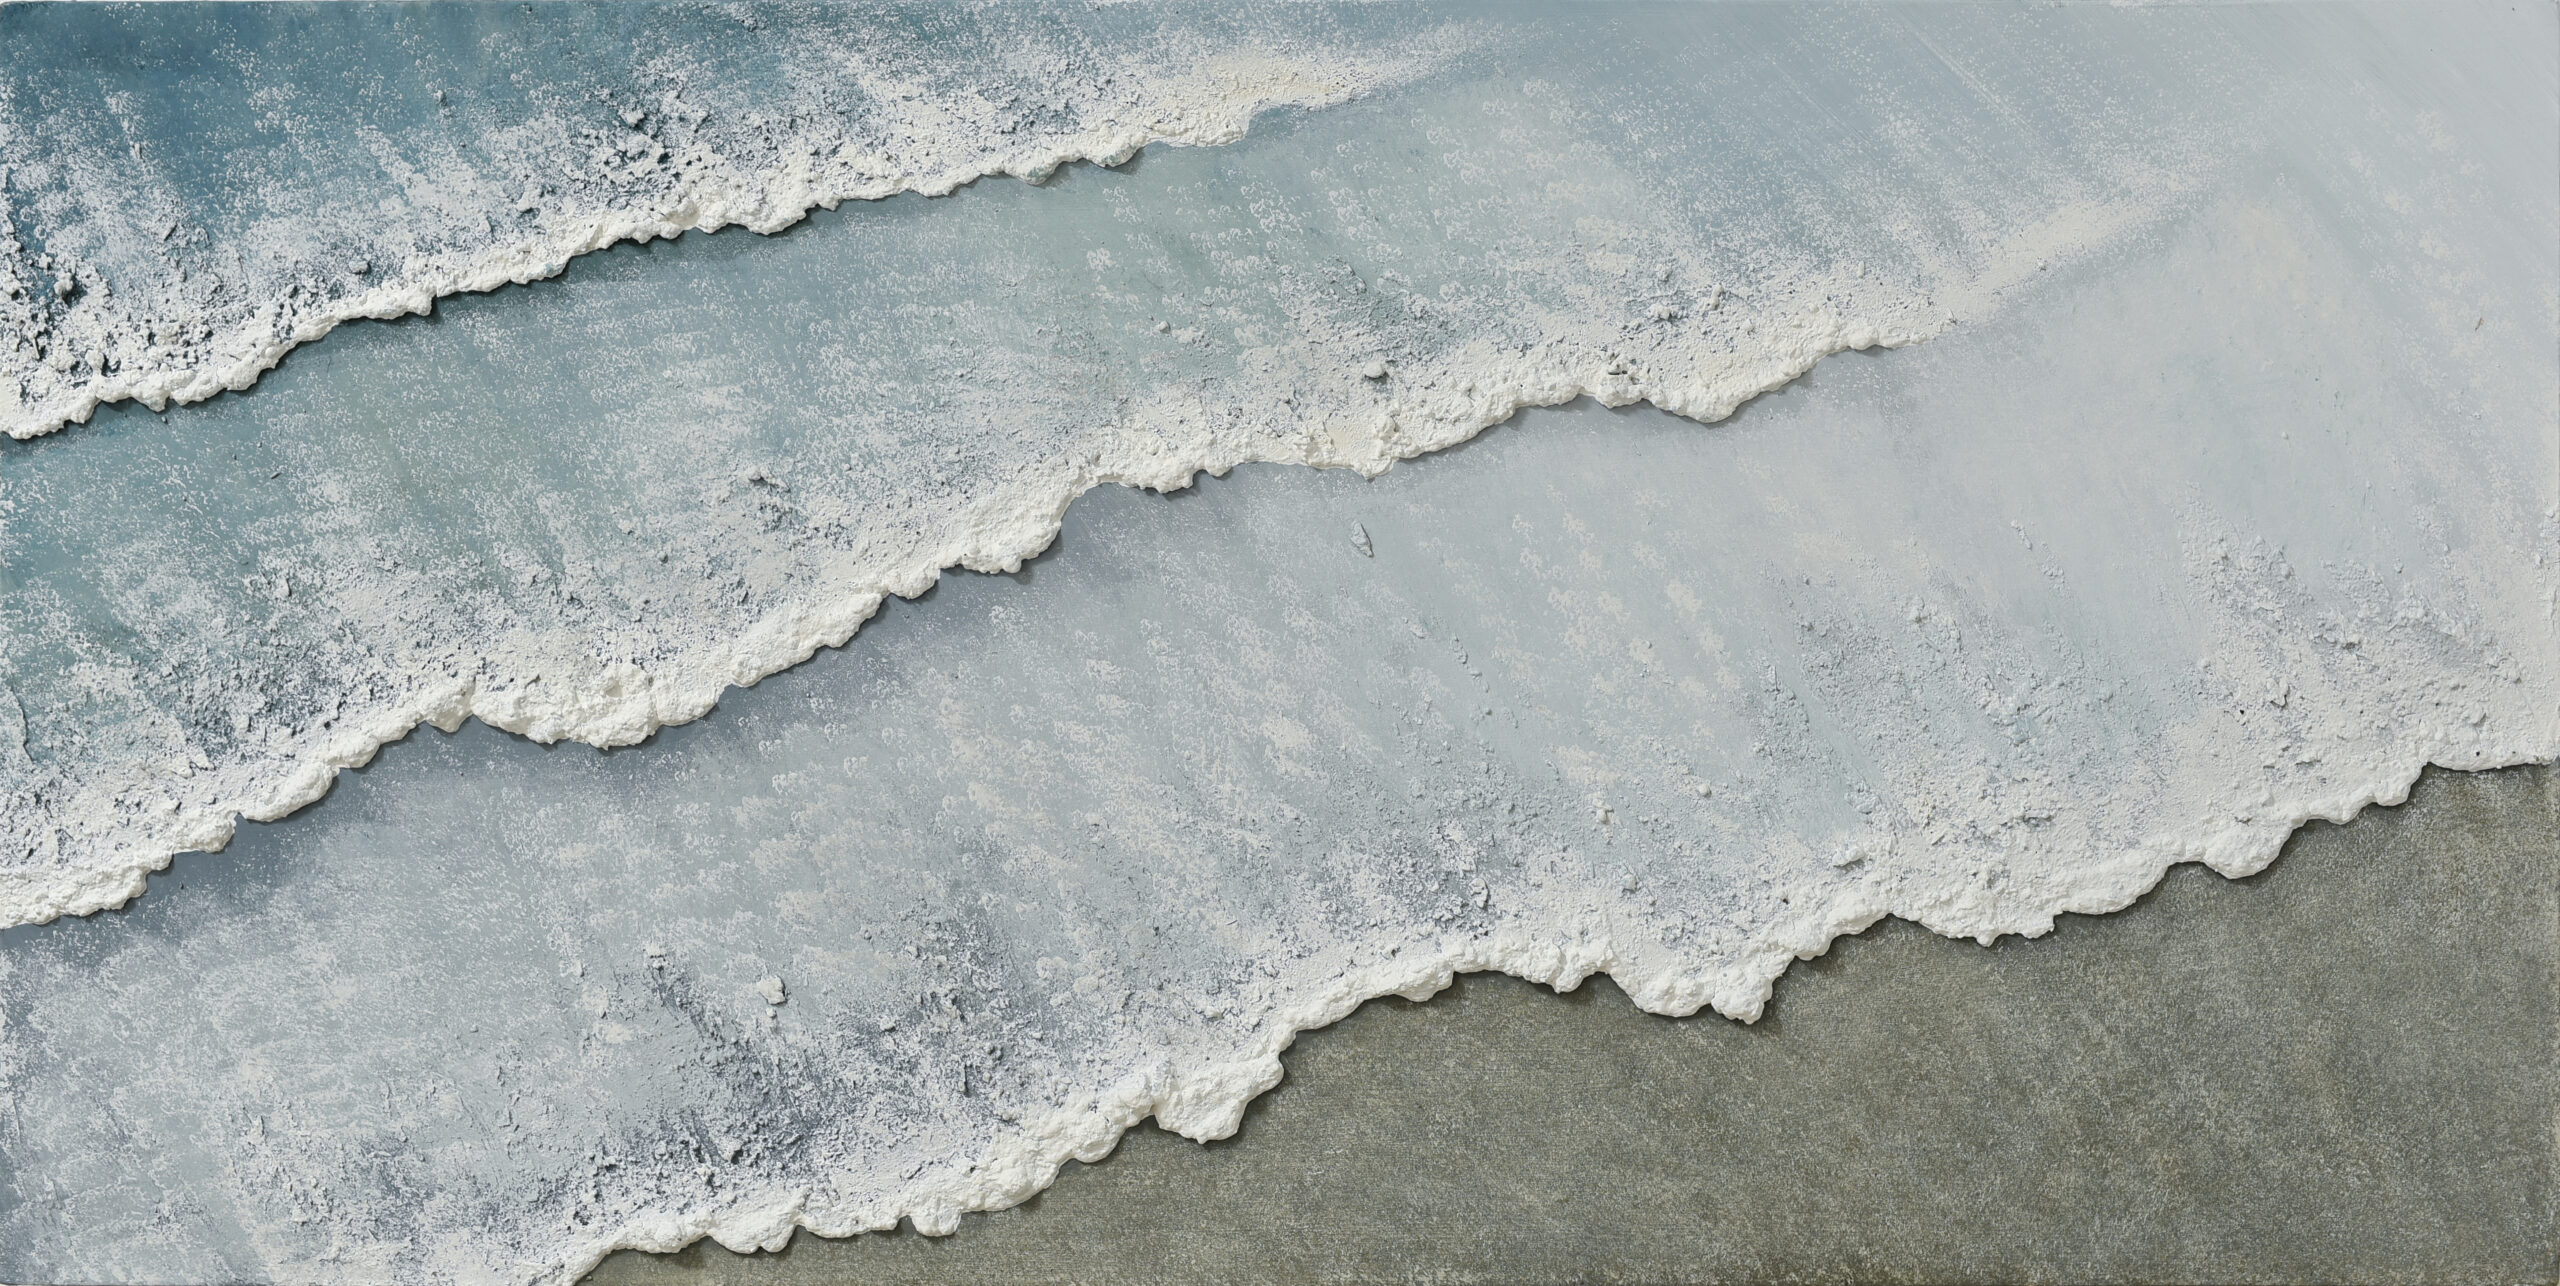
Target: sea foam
{"type": "Point", "coordinates": [166, 238]}
{"type": "Point", "coordinates": [134, 273]}
{"type": "Point", "coordinates": [2207, 508]}
{"type": "Point", "coordinates": [588, 541]}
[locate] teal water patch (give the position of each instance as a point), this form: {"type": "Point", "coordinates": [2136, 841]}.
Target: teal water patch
{"type": "Point", "coordinates": [187, 192]}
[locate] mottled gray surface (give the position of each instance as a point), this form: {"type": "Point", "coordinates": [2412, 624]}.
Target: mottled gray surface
{"type": "Point", "coordinates": [2341, 1069]}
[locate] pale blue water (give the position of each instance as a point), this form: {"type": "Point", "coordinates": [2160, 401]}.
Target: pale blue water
{"type": "Point", "coordinates": [2224, 509]}
{"type": "Point", "coordinates": [650, 459]}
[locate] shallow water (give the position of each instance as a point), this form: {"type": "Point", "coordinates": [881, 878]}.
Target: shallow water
{"type": "Point", "coordinates": [2217, 509]}
{"type": "Point", "coordinates": [583, 509]}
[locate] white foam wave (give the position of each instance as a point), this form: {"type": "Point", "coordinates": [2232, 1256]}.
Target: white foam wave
{"type": "Point", "coordinates": [121, 822]}
{"type": "Point", "coordinates": [163, 326]}
{"type": "Point", "coordinates": [2032, 613]}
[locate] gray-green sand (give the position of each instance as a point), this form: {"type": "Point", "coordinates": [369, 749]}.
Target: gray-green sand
{"type": "Point", "coordinates": [2341, 1069]}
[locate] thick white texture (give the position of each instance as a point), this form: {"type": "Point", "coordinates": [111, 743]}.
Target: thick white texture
{"type": "Point", "coordinates": [261, 653]}
{"type": "Point", "coordinates": [2227, 501]}
{"type": "Point", "coordinates": [126, 304]}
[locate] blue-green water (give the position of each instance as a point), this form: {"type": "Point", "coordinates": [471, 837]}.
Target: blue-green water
{"type": "Point", "coordinates": [2226, 502]}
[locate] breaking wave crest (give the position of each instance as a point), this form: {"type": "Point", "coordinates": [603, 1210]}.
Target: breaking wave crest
{"type": "Point", "coordinates": [2207, 508]}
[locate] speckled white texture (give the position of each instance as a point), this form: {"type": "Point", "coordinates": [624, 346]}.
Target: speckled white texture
{"type": "Point", "coordinates": [636, 545]}
{"type": "Point", "coordinates": [129, 297]}
{"type": "Point", "coordinates": [2224, 496]}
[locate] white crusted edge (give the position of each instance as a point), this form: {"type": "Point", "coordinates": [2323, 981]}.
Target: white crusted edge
{"type": "Point", "coordinates": [1212, 106]}
{"type": "Point", "coordinates": [1207, 1100]}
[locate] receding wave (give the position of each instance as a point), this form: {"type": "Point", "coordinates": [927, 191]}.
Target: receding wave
{"type": "Point", "coordinates": [167, 239]}
{"type": "Point", "coordinates": [585, 514]}
{"type": "Point", "coordinates": [2218, 499]}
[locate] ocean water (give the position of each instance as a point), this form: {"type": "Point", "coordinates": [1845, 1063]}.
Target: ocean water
{"type": "Point", "coordinates": [2199, 476]}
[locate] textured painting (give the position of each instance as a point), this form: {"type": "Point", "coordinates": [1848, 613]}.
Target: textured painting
{"type": "Point", "coordinates": [630, 623]}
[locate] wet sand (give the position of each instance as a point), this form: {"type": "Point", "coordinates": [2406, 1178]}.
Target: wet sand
{"type": "Point", "coordinates": [2340, 1069]}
